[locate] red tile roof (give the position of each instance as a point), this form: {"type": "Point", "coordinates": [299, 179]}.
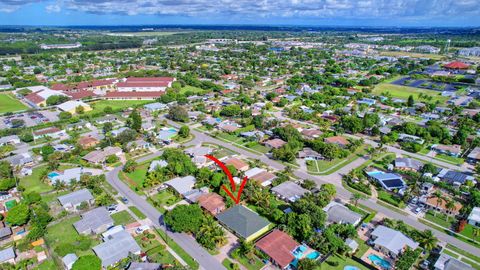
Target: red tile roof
{"type": "Point", "coordinates": [150, 79]}
{"type": "Point", "coordinates": [337, 140]}
{"type": "Point", "coordinates": [237, 163]}
{"type": "Point", "coordinates": [80, 94]}
{"type": "Point", "coordinates": [212, 202]}
{"type": "Point", "coordinates": [275, 143]}
{"type": "Point", "coordinates": [46, 131]}
{"type": "Point", "coordinates": [33, 97]}
{"type": "Point", "coordinates": [278, 246]}
{"type": "Point", "coordinates": [456, 65]}
{"type": "Point", "coordinates": [155, 94]}
{"type": "Point", "coordinates": [143, 84]}
{"type": "Point", "coordinates": [60, 87]}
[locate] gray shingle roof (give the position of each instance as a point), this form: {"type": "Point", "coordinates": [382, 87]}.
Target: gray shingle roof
{"type": "Point", "coordinates": [242, 220]}
{"type": "Point", "coordinates": [182, 184]}
{"type": "Point", "coordinates": [289, 190]}
{"type": "Point", "coordinates": [5, 231]}
{"type": "Point", "coordinates": [76, 197]}
{"type": "Point", "coordinates": [144, 266]}
{"type": "Point", "coordinates": [116, 247]}
{"type": "Point", "coordinates": [338, 213]}
{"type": "Point", "coordinates": [7, 254]}
{"type": "Point", "coordinates": [408, 163]}
{"type": "Point", "coordinates": [93, 220]}
{"type": "Point", "coordinates": [392, 240]}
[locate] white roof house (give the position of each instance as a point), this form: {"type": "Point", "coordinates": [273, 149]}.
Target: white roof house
{"type": "Point", "coordinates": [71, 105]}
{"type": "Point", "coordinates": [116, 247]}
{"type": "Point", "coordinates": [75, 198]}
{"type": "Point", "coordinates": [74, 173]}
{"type": "Point", "coordinates": [7, 255]}
{"type": "Point", "coordinates": [289, 191]}
{"type": "Point", "coordinates": [447, 262]}
{"type": "Point", "coordinates": [474, 217]}
{"type": "Point", "coordinates": [182, 185]}
{"type": "Point", "coordinates": [69, 259]}
{"type": "Point", "coordinates": [391, 241]}
{"type": "Point", "coordinates": [339, 213]}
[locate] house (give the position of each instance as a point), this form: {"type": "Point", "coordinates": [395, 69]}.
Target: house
{"type": "Point", "coordinates": [72, 105]}
{"type": "Point", "coordinates": [68, 260]}
{"type": "Point", "coordinates": [474, 155]}
{"type": "Point", "coordinates": [367, 101]}
{"type": "Point", "coordinates": [198, 151]}
{"type": "Point", "coordinates": [338, 140]}
{"type": "Point", "coordinates": [139, 145]}
{"type": "Point", "coordinates": [262, 176]}
{"type": "Point", "coordinates": [389, 181]}
{"type": "Point", "coordinates": [408, 164]}
{"type": "Point", "coordinates": [339, 213]}
{"type": "Point", "coordinates": [309, 154]}
{"type": "Point", "coordinates": [311, 134]}
{"type": "Point", "coordinates": [52, 132]}
{"type": "Point", "coordinates": [94, 221]}
{"type": "Point", "coordinates": [166, 135]}
{"type": "Point", "coordinates": [157, 106]}
{"type": "Point", "coordinates": [182, 185]}
{"type": "Point", "coordinates": [212, 202]}
{"type": "Point", "coordinates": [107, 118]}
{"type": "Point", "coordinates": [410, 138]}
{"type": "Point", "coordinates": [88, 142]}
{"type": "Point", "coordinates": [11, 140]}
{"type": "Point", "coordinates": [289, 191]}
{"type": "Point", "coordinates": [451, 150]}
{"type": "Point", "coordinates": [82, 124]}
{"type": "Point", "coordinates": [447, 262]}
{"type": "Point", "coordinates": [22, 159]}
{"type": "Point", "coordinates": [117, 132]}
{"type": "Point", "coordinates": [237, 163]}
{"type": "Point", "coordinates": [474, 217]}
{"type": "Point", "coordinates": [456, 65]}
{"type": "Point", "coordinates": [275, 143]}
{"type": "Point", "coordinates": [253, 135]}
{"type": "Point", "coordinates": [99, 156]}
{"type": "Point", "coordinates": [155, 164]}
{"type": "Point", "coordinates": [279, 246]}
{"type": "Point", "coordinates": [391, 242]}
{"type": "Point", "coordinates": [352, 244]}
{"type": "Point", "coordinates": [68, 175]}
{"type": "Point", "coordinates": [7, 256]}
{"type": "Point", "coordinates": [71, 201]}
{"type": "Point", "coordinates": [455, 178]}
{"type": "Point", "coordinates": [144, 266]}
{"type": "Point", "coordinates": [228, 127]}
{"type": "Point", "coordinates": [432, 202]}
{"type": "Point", "coordinates": [116, 247]}
{"type": "Point", "coordinates": [5, 231]}
{"type": "Point", "coordinates": [243, 222]}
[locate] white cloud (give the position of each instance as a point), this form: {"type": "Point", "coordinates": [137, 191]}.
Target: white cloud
{"type": "Point", "coordinates": [245, 9]}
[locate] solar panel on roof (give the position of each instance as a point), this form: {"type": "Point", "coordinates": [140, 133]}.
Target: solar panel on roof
{"type": "Point", "coordinates": [394, 183]}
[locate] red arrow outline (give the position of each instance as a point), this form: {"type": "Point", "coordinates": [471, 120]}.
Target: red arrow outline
{"type": "Point", "coordinates": [230, 178]}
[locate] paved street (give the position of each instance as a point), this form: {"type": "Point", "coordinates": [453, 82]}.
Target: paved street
{"type": "Point", "coordinates": [185, 241]}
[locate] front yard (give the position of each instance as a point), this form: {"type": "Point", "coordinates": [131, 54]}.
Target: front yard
{"type": "Point", "coordinates": [34, 183]}
{"type": "Point", "coordinates": [328, 166]}
{"type": "Point", "coordinates": [122, 218]}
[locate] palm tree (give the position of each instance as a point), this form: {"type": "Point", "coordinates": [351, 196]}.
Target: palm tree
{"type": "Point", "coordinates": [439, 196]}
{"type": "Point", "coordinates": [475, 232]}
{"type": "Point", "coordinates": [450, 205]}
{"type": "Point", "coordinates": [428, 240]}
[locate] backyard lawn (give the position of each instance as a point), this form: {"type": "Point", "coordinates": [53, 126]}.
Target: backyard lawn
{"type": "Point", "coordinates": [46, 265]}
{"type": "Point", "coordinates": [166, 197]}
{"type": "Point", "coordinates": [98, 106]}
{"type": "Point", "coordinates": [195, 90]}
{"type": "Point", "coordinates": [64, 235]}
{"type": "Point", "coordinates": [403, 92]}
{"type": "Point", "coordinates": [33, 182]}
{"type": "Point", "coordinates": [122, 218]}
{"type": "Point", "coordinates": [8, 103]}
{"type": "Point", "coordinates": [336, 262]}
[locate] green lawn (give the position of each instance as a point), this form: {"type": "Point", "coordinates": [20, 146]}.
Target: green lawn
{"type": "Point", "coordinates": [229, 137]}
{"type": "Point", "coordinates": [180, 251]}
{"type": "Point", "coordinates": [160, 255]}
{"type": "Point", "coordinates": [403, 92]}
{"type": "Point", "coordinates": [228, 264]}
{"type": "Point", "coordinates": [33, 182]}
{"type": "Point", "coordinates": [137, 212]}
{"type": "Point", "coordinates": [193, 89]}
{"type": "Point", "coordinates": [325, 167]}
{"type": "Point", "coordinates": [166, 197]}
{"type": "Point", "coordinates": [390, 198]}
{"type": "Point", "coordinates": [122, 218]}
{"type": "Point", "coordinates": [53, 196]}
{"type": "Point", "coordinates": [98, 106]}
{"type": "Point", "coordinates": [463, 252]}
{"type": "Point", "coordinates": [65, 233]}
{"type": "Point", "coordinates": [46, 265]}
{"type": "Point", "coordinates": [8, 103]}
{"type": "Point", "coordinates": [256, 265]}
{"type": "Point", "coordinates": [331, 263]}
{"type": "Point", "coordinates": [448, 252]}
{"type": "Point", "coordinates": [139, 174]}
{"type": "Point", "coordinates": [439, 219]}
{"type": "Point", "coordinates": [450, 159]}
{"type": "Point", "coordinates": [257, 147]}
{"type": "Point", "coordinates": [413, 54]}
{"type": "Point", "coordinates": [468, 232]}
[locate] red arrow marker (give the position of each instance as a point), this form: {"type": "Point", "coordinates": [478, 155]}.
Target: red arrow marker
{"type": "Point", "coordinates": [230, 178]}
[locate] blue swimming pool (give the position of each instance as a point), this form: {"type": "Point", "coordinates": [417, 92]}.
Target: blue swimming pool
{"type": "Point", "coordinates": [298, 252]}
{"type": "Point", "coordinates": [349, 267]}
{"type": "Point", "coordinates": [313, 255]}
{"type": "Point", "coordinates": [53, 174]}
{"type": "Point", "coordinates": [379, 261]}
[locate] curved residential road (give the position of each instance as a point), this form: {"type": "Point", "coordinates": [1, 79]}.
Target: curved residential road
{"type": "Point", "coordinates": [184, 240]}
{"type": "Point", "coordinates": [336, 179]}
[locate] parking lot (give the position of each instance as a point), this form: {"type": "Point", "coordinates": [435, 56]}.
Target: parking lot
{"type": "Point", "coordinates": [29, 119]}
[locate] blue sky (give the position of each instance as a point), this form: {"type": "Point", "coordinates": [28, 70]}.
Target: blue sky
{"type": "Point", "coordinates": [422, 13]}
